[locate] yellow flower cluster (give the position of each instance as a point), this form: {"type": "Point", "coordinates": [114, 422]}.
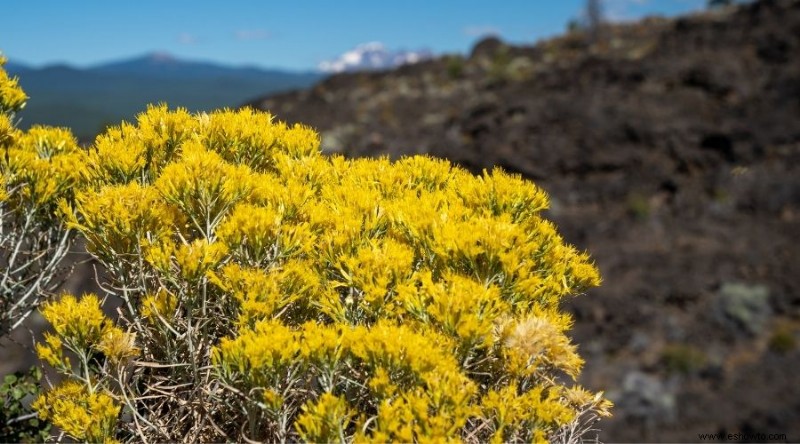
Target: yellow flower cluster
{"type": "Point", "coordinates": [251, 138]}
{"type": "Point", "coordinates": [148, 146]}
{"type": "Point", "coordinates": [260, 235]}
{"type": "Point", "coordinates": [161, 304]}
{"type": "Point", "coordinates": [12, 98]}
{"type": "Point", "coordinates": [265, 294]}
{"type": "Point", "coordinates": [203, 187]}
{"type": "Point", "coordinates": [539, 342]}
{"type": "Point", "coordinates": [80, 320]}
{"type": "Point", "coordinates": [39, 167]}
{"type": "Point", "coordinates": [457, 305]}
{"type": "Point", "coordinates": [85, 416]}
{"type": "Point", "coordinates": [417, 387]}
{"type": "Point", "coordinates": [325, 420]}
{"type": "Point", "coordinates": [117, 220]}
{"type": "Point", "coordinates": [532, 411]}
{"type": "Point", "coordinates": [353, 299]}
{"type": "Point", "coordinates": [7, 131]}
{"type": "Point", "coordinates": [80, 406]}
{"type": "Point", "coordinates": [82, 327]}
{"type": "Point", "coordinates": [189, 261]}
{"type": "Point", "coordinates": [45, 163]}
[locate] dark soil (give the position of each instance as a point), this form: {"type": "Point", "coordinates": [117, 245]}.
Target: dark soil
{"type": "Point", "coordinates": [671, 151]}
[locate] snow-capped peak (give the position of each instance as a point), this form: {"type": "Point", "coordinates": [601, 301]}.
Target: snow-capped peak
{"type": "Point", "coordinates": [161, 57]}
{"type": "Point", "coordinates": [372, 56]}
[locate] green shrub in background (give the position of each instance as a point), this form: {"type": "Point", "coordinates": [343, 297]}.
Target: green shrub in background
{"type": "Point", "coordinates": [719, 3]}
{"type": "Point", "coordinates": [271, 293]}
{"type": "Point", "coordinates": [455, 67]}
{"type": "Point", "coordinates": [17, 422]}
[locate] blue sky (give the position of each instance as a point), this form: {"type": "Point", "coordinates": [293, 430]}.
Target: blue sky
{"type": "Point", "coordinates": [286, 34]}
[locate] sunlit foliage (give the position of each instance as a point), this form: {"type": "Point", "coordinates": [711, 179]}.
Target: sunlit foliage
{"type": "Point", "coordinates": [39, 168]}
{"type": "Point", "coordinates": [270, 292]}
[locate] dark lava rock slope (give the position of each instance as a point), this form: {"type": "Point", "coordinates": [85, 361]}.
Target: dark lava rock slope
{"type": "Point", "coordinates": [671, 151]}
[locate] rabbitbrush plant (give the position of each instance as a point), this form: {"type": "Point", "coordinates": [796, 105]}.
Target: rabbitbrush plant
{"type": "Point", "coordinates": [38, 169]}
{"type": "Point", "coordinates": [272, 293]}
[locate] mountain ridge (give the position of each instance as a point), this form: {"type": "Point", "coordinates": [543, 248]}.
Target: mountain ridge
{"type": "Point", "coordinates": [88, 99]}
{"type": "Point", "coordinates": [162, 64]}
{"type": "Point", "coordinates": [150, 58]}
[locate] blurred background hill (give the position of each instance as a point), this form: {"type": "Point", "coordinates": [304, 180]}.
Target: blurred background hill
{"type": "Point", "coordinates": [87, 100]}
{"type": "Point", "coordinates": [670, 148]}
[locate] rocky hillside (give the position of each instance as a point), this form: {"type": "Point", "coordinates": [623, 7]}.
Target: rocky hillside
{"type": "Point", "coordinates": [671, 149]}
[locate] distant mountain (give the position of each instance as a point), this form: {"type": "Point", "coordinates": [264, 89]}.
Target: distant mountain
{"type": "Point", "coordinates": [164, 65]}
{"type": "Point", "coordinates": [88, 99]}
{"type": "Point", "coordinates": [12, 66]}
{"type": "Point", "coordinates": [372, 57]}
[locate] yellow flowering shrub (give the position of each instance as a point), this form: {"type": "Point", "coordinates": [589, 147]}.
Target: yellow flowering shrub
{"type": "Point", "coordinates": [272, 293]}
{"type": "Point", "coordinates": [39, 169]}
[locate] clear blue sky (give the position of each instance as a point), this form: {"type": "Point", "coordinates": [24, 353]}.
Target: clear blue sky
{"type": "Point", "coordinates": [285, 33]}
